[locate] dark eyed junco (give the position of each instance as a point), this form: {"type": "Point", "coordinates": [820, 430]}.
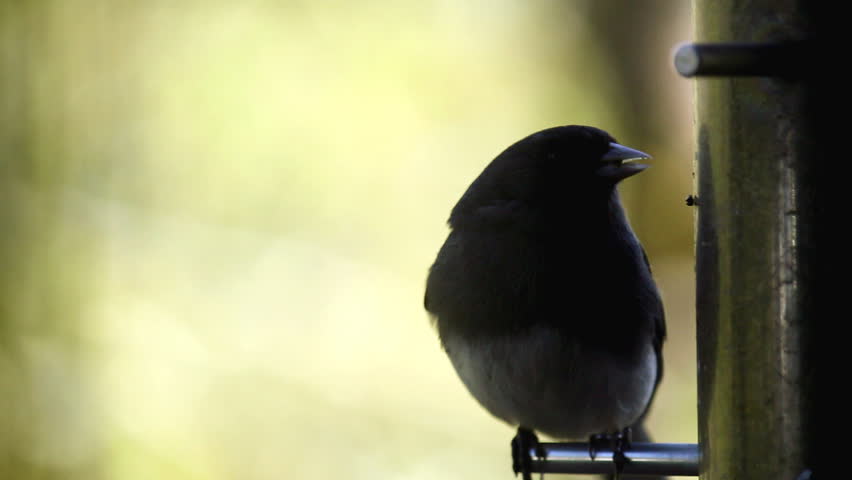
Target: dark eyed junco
{"type": "Point", "coordinates": [542, 295]}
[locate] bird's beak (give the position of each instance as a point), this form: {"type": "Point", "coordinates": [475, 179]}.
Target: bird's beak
{"type": "Point", "coordinates": [615, 162]}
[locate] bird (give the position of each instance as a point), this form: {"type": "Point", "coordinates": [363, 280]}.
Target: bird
{"type": "Point", "coordinates": [543, 297]}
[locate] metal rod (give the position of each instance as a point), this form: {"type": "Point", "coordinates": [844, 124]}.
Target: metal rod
{"type": "Point", "coordinates": [676, 459]}
{"type": "Point", "coordinates": [741, 59]}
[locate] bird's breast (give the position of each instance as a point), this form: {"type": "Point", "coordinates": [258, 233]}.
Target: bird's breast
{"type": "Point", "coordinates": [541, 380]}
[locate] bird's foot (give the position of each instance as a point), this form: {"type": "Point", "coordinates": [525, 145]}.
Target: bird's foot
{"type": "Point", "coordinates": [618, 441]}
{"type": "Point", "coordinates": [523, 442]}
{"type": "Point", "coordinates": [597, 441]}
{"type": "Point", "coordinates": [622, 443]}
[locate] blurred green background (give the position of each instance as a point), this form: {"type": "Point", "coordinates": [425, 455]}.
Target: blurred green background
{"type": "Point", "coordinates": [218, 218]}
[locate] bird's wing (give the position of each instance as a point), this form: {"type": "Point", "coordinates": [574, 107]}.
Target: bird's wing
{"type": "Point", "coordinates": [442, 276]}
{"type": "Point", "coordinates": [658, 338]}
{"type": "Point", "coordinates": [659, 324]}
{"type": "Point", "coordinates": [640, 432]}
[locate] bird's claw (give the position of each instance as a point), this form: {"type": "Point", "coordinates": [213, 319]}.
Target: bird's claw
{"type": "Point", "coordinates": [595, 442]}
{"type": "Point", "coordinates": [623, 440]}
{"type": "Point", "coordinates": [619, 442]}
{"type": "Point", "coordinates": [521, 459]}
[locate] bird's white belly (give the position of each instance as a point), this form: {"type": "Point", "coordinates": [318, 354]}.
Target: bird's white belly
{"type": "Point", "coordinates": [564, 391]}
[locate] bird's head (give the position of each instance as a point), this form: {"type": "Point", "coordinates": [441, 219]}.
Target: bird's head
{"type": "Point", "coordinates": [556, 168]}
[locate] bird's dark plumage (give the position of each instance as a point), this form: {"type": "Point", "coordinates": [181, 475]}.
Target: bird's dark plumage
{"type": "Point", "coordinates": [542, 295]}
